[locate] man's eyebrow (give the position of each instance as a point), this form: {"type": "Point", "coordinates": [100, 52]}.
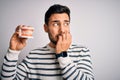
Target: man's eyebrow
{"type": "Point", "coordinates": [59, 21]}
{"type": "Point", "coordinates": [66, 21]}
{"type": "Point", "coordinates": [55, 21]}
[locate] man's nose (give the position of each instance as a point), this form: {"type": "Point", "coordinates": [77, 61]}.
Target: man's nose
{"type": "Point", "coordinates": [62, 29]}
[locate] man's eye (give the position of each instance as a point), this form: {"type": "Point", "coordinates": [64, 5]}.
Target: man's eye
{"type": "Point", "coordinates": [55, 24]}
{"type": "Point", "coordinates": [66, 24]}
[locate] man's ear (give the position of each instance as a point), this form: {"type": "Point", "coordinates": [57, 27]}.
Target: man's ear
{"type": "Point", "coordinates": [45, 28]}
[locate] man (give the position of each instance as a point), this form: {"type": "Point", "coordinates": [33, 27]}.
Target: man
{"type": "Point", "coordinates": [58, 60]}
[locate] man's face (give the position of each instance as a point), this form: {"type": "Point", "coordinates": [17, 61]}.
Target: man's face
{"type": "Point", "coordinates": [58, 24]}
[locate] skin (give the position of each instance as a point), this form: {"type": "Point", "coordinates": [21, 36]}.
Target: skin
{"type": "Point", "coordinates": [58, 30]}
{"type": "Point", "coordinates": [17, 43]}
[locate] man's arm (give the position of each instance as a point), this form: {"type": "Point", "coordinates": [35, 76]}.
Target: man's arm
{"type": "Point", "coordinates": [79, 70]}
{"type": "Point", "coordinates": [10, 70]}
{"type": "Point", "coordinates": [82, 70]}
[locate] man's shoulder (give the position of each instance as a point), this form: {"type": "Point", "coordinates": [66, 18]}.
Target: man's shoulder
{"type": "Point", "coordinates": [78, 47]}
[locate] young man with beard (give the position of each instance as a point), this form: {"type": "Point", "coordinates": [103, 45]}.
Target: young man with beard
{"type": "Point", "coordinates": [58, 60]}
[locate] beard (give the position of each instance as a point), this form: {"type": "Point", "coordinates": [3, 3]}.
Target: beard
{"type": "Point", "coordinates": [54, 41]}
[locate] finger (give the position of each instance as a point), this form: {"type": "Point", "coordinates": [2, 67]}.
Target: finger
{"type": "Point", "coordinates": [69, 37]}
{"type": "Point", "coordinates": [17, 28]}
{"type": "Point", "coordinates": [29, 26]}
{"type": "Point", "coordinates": [14, 35]}
{"type": "Point", "coordinates": [59, 38]}
{"type": "Point", "coordinates": [23, 40]}
{"type": "Point", "coordinates": [63, 36]}
{"type": "Point", "coordinates": [20, 26]}
{"type": "Point", "coordinates": [23, 25]}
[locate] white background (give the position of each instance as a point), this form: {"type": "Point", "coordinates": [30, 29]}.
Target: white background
{"type": "Point", "coordinates": [94, 23]}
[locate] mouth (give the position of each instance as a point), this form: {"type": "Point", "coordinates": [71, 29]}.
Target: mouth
{"type": "Point", "coordinates": [55, 40]}
{"type": "Point", "coordinates": [58, 36]}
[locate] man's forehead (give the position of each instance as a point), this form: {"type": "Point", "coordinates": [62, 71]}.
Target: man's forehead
{"type": "Point", "coordinates": [58, 17]}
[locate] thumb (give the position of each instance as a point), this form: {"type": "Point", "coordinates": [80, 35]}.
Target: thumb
{"type": "Point", "coordinates": [23, 40]}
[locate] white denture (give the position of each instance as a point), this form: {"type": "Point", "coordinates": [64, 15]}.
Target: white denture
{"type": "Point", "coordinates": [26, 32]}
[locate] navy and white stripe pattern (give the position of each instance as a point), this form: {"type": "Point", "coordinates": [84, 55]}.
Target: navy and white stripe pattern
{"type": "Point", "coordinates": [41, 64]}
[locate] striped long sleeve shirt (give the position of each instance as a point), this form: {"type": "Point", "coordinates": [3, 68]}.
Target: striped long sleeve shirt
{"type": "Point", "coordinates": [41, 64]}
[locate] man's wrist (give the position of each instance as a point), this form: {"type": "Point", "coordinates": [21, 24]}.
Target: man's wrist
{"type": "Point", "coordinates": [12, 54]}
{"type": "Point", "coordinates": [13, 51]}
{"type": "Point", "coordinates": [62, 54]}
{"type": "Point", "coordinates": [58, 52]}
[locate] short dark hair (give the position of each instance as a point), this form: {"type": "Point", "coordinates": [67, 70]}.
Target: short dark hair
{"type": "Point", "coordinates": [56, 8]}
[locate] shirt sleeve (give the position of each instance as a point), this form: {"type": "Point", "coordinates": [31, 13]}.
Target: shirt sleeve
{"type": "Point", "coordinates": [10, 70]}
{"type": "Point", "coordinates": [77, 70]}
